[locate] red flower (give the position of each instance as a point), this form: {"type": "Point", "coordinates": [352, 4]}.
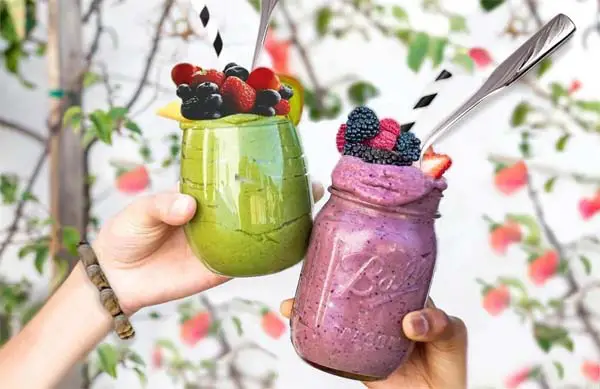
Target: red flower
{"type": "Point", "coordinates": [504, 235]}
{"type": "Point", "coordinates": [279, 50]}
{"type": "Point", "coordinates": [591, 370]}
{"type": "Point", "coordinates": [513, 381]}
{"type": "Point", "coordinates": [511, 178]}
{"type": "Point", "coordinates": [133, 181]}
{"type": "Point", "coordinates": [195, 329]}
{"type": "Point", "coordinates": [157, 357]}
{"type": "Point", "coordinates": [574, 87]}
{"type": "Point", "coordinates": [273, 325]}
{"type": "Point", "coordinates": [480, 56]}
{"type": "Point", "coordinates": [543, 267]}
{"type": "Point", "coordinates": [588, 207]}
{"type": "Point", "coordinates": [496, 300]}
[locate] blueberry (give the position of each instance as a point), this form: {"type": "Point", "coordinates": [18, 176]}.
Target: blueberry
{"type": "Point", "coordinates": [229, 65]}
{"type": "Point", "coordinates": [212, 115]}
{"type": "Point", "coordinates": [184, 91]}
{"type": "Point", "coordinates": [268, 97]}
{"type": "Point", "coordinates": [206, 88]}
{"type": "Point", "coordinates": [191, 109]}
{"type": "Point", "coordinates": [237, 71]}
{"type": "Point", "coordinates": [264, 111]}
{"type": "Point", "coordinates": [213, 102]}
{"type": "Point", "coordinates": [286, 92]}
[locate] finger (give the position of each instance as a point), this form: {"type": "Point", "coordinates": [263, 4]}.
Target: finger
{"type": "Point", "coordinates": [318, 191]}
{"type": "Point", "coordinates": [429, 303]}
{"type": "Point", "coordinates": [286, 307]}
{"type": "Point", "coordinates": [433, 325]}
{"type": "Point", "coordinates": [164, 208]}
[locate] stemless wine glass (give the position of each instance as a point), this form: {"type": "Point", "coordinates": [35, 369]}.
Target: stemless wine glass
{"type": "Point", "coordinates": [254, 197]}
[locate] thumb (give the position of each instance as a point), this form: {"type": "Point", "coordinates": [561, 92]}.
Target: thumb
{"type": "Point", "coordinates": [170, 208]}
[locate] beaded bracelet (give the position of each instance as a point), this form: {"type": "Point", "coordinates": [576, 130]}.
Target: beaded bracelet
{"type": "Point", "coordinates": [109, 300]}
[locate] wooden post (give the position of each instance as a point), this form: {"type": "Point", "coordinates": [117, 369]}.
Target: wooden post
{"type": "Point", "coordinates": [68, 169]}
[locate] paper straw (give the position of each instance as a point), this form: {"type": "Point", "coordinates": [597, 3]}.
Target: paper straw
{"type": "Point", "coordinates": [426, 99]}
{"type": "Point", "coordinates": [210, 24]}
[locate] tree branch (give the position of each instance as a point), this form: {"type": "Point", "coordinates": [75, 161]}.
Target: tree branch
{"type": "Point", "coordinates": [94, 6]}
{"type": "Point", "coordinates": [12, 229]}
{"type": "Point", "coordinates": [10, 125]}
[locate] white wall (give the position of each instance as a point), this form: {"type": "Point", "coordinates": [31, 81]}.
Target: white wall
{"type": "Point", "coordinates": [497, 346]}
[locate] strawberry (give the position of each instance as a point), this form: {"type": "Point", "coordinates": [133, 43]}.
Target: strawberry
{"type": "Point", "coordinates": [543, 267]}
{"type": "Point", "coordinates": [340, 138]}
{"type": "Point", "coordinates": [133, 181]}
{"type": "Point", "coordinates": [263, 78]}
{"type": "Point", "coordinates": [496, 300]}
{"type": "Point", "coordinates": [209, 75]}
{"type": "Point", "coordinates": [238, 94]}
{"type": "Point", "coordinates": [282, 108]}
{"type": "Point", "coordinates": [511, 178]}
{"type": "Point", "coordinates": [435, 165]}
{"type": "Point", "coordinates": [389, 125]}
{"type": "Point", "coordinates": [195, 329]}
{"type": "Point", "coordinates": [182, 73]}
{"type": "Point", "coordinates": [272, 325]}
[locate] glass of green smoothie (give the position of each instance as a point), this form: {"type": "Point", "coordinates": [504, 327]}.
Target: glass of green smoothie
{"type": "Point", "coordinates": [244, 164]}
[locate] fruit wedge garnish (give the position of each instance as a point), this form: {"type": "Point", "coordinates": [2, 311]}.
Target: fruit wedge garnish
{"type": "Point", "coordinates": [172, 111]}
{"type": "Point", "coordinates": [297, 100]}
{"type": "Point", "coordinates": [435, 165]}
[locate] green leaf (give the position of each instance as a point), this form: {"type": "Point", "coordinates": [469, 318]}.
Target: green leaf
{"type": "Point", "coordinates": [154, 315]}
{"type": "Point", "coordinates": [592, 106]}
{"type": "Point", "coordinates": [417, 51]}
{"type": "Point", "coordinates": [560, 370]}
{"type": "Point", "coordinates": [41, 255]}
{"type": "Point", "coordinates": [463, 60]}
{"type": "Point", "coordinates": [28, 196]}
{"type": "Point", "coordinates": [12, 57]}
{"type": "Point", "coordinates": [91, 78]}
{"type": "Point", "coordinates": [513, 282]}
{"type": "Point", "coordinates": [458, 24]}
{"type": "Point", "coordinates": [117, 113]}
{"type": "Point", "coordinates": [109, 359]}
{"type": "Point", "coordinates": [102, 125]}
{"type": "Point", "coordinates": [519, 114]}
{"type": "Point", "coordinates": [238, 325]}
{"type": "Point", "coordinates": [255, 4]}
{"type": "Point", "coordinates": [399, 13]}
{"type": "Point", "coordinates": [135, 358]}
{"type": "Point", "coordinates": [529, 222]}
{"type": "Point", "coordinates": [437, 46]}
{"type": "Point", "coordinates": [9, 184]}
{"type": "Point", "coordinates": [404, 35]}
{"type": "Point", "coordinates": [543, 67]}
{"type": "Point", "coordinates": [133, 127]}
{"type": "Point", "coordinates": [489, 5]}
{"type": "Point", "coordinates": [562, 142]}
{"type": "Point", "coordinates": [587, 264]}
{"type": "Point", "coordinates": [557, 91]}
{"type": "Point", "coordinates": [548, 336]}
{"type": "Point", "coordinates": [141, 376]}
{"type": "Point", "coordinates": [61, 269]}
{"type": "Point", "coordinates": [323, 20]}
{"type": "Point", "coordinates": [549, 184]}
{"type": "Point", "coordinates": [72, 117]}
{"type": "Point", "coordinates": [70, 239]}
{"type": "Point", "coordinates": [168, 345]}
{"type": "Point", "coordinates": [555, 303]}
{"type": "Point", "coordinates": [524, 145]}
{"type": "Point", "coordinates": [361, 91]}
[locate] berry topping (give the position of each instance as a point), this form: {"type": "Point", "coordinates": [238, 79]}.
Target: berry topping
{"type": "Point", "coordinates": [389, 125]}
{"type": "Point", "coordinates": [209, 75]}
{"type": "Point", "coordinates": [265, 111]}
{"type": "Point", "coordinates": [182, 73]}
{"type": "Point", "coordinates": [340, 138]}
{"type": "Point", "coordinates": [282, 108]}
{"type": "Point", "coordinates": [385, 140]}
{"type": "Point", "coordinates": [371, 155]}
{"type": "Point", "coordinates": [362, 125]}
{"type": "Point", "coordinates": [206, 88]}
{"type": "Point", "coordinates": [184, 91]}
{"type": "Point", "coordinates": [267, 97]}
{"type": "Point", "coordinates": [229, 65]}
{"type": "Point", "coordinates": [263, 78]}
{"type": "Point", "coordinates": [435, 164]}
{"type": "Point", "coordinates": [286, 92]}
{"type": "Point", "coordinates": [408, 146]}
{"type": "Point", "coordinates": [191, 109]}
{"type": "Point", "coordinates": [213, 103]}
{"type": "Point", "coordinates": [238, 94]}
{"type": "Point", "coordinates": [237, 71]}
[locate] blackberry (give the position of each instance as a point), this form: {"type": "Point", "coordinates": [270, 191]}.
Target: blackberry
{"type": "Point", "coordinates": [362, 125]}
{"type": "Point", "coordinates": [267, 97]}
{"type": "Point", "coordinates": [237, 71]}
{"type": "Point", "coordinates": [286, 92]}
{"type": "Point", "coordinates": [408, 146]}
{"type": "Point", "coordinates": [372, 155]}
{"type": "Point", "coordinates": [192, 109]}
{"type": "Point", "coordinates": [184, 91]}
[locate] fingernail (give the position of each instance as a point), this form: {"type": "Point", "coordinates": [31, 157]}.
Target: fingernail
{"type": "Point", "coordinates": [419, 324]}
{"type": "Point", "coordinates": [181, 205]}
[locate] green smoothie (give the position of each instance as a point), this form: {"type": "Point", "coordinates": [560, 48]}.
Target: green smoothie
{"type": "Point", "coordinates": [248, 174]}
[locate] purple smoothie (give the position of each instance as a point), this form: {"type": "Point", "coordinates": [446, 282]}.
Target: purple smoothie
{"type": "Point", "coordinates": [370, 261]}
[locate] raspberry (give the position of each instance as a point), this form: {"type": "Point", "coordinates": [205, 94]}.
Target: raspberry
{"type": "Point", "coordinates": [389, 125]}
{"type": "Point", "coordinates": [340, 139]}
{"type": "Point", "coordinates": [238, 94]}
{"type": "Point", "coordinates": [362, 125]}
{"type": "Point", "coordinates": [282, 108]}
{"type": "Point", "coordinates": [385, 140]}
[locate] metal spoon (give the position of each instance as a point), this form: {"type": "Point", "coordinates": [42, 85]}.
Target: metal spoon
{"type": "Point", "coordinates": [266, 9]}
{"type": "Point", "coordinates": [551, 36]}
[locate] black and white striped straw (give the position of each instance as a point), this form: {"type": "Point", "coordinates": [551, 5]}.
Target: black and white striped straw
{"type": "Point", "coordinates": [210, 24]}
{"type": "Point", "coordinates": [426, 99]}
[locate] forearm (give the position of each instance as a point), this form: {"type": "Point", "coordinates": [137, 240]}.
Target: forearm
{"type": "Point", "coordinates": [69, 325]}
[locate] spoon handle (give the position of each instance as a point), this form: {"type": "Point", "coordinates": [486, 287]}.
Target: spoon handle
{"type": "Point", "coordinates": [266, 9]}
{"type": "Point", "coordinates": [551, 36]}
